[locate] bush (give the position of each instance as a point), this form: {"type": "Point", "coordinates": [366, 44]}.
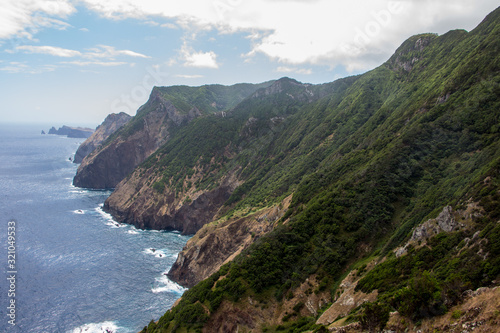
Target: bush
{"type": "Point", "coordinates": [374, 317]}
{"type": "Point", "coordinates": [422, 298]}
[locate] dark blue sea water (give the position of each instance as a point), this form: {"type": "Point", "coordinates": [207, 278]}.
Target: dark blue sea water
{"type": "Point", "coordinates": [76, 269]}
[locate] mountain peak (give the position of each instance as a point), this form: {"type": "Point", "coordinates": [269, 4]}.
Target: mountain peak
{"type": "Point", "coordinates": [410, 52]}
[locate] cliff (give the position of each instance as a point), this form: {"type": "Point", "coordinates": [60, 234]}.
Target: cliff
{"type": "Point", "coordinates": [220, 242]}
{"type": "Point", "coordinates": [111, 124]}
{"type": "Point", "coordinates": [72, 132]}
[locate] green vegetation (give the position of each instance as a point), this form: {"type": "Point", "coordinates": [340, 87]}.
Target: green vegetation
{"type": "Point", "coordinates": [367, 158]}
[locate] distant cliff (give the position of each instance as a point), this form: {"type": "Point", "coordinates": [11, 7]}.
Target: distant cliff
{"type": "Point", "coordinates": [111, 124]}
{"type": "Point", "coordinates": [72, 132]}
{"type": "Point", "coordinates": [167, 110]}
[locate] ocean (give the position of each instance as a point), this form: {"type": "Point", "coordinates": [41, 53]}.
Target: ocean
{"type": "Point", "coordinates": [72, 268]}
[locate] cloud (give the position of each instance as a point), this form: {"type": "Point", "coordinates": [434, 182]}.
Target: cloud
{"type": "Point", "coordinates": [15, 67]}
{"type": "Point", "coordinates": [52, 50]}
{"type": "Point", "coordinates": [96, 63]}
{"type": "Point", "coordinates": [23, 18]}
{"type": "Point", "coordinates": [285, 69]}
{"type": "Point", "coordinates": [106, 51]}
{"type": "Point", "coordinates": [320, 32]}
{"type": "Point", "coordinates": [99, 52]}
{"type": "Point", "coordinates": [185, 76]}
{"type": "Point", "coordinates": [198, 59]}
{"type": "Point", "coordinates": [169, 25]}
{"type": "Point", "coordinates": [84, 29]}
{"type": "Point", "coordinates": [356, 34]}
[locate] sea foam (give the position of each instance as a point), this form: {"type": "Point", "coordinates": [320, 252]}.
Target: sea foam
{"type": "Point", "coordinates": [167, 285]}
{"type": "Point", "coordinates": [158, 253]}
{"type": "Point", "coordinates": [104, 327]}
{"type": "Point", "coordinates": [109, 219]}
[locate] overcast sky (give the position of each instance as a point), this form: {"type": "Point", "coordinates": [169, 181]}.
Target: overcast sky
{"type": "Point", "coordinates": [74, 62]}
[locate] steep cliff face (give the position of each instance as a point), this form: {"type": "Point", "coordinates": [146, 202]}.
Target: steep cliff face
{"type": "Point", "coordinates": [221, 241]}
{"type": "Point", "coordinates": [136, 202]}
{"type": "Point", "coordinates": [114, 160]}
{"type": "Point", "coordinates": [111, 124]}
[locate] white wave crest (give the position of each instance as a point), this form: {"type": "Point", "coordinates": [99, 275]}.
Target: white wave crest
{"type": "Point", "coordinates": [158, 253]}
{"type": "Point", "coordinates": [166, 285]}
{"type": "Point", "coordinates": [104, 327]}
{"type": "Point", "coordinates": [109, 219]}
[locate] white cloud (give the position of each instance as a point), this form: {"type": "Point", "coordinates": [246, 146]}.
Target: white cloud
{"type": "Point", "coordinates": [52, 50]}
{"type": "Point", "coordinates": [84, 29]}
{"type": "Point", "coordinates": [169, 25]}
{"type": "Point", "coordinates": [198, 59]}
{"type": "Point", "coordinates": [101, 51]}
{"type": "Point", "coordinates": [96, 63]}
{"type": "Point", "coordinates": [106, 51]}
{"type": "Point", "coordinates": [15, 67]}
{"type": "Point", "coordinates": [356, 34]}
{"type": "Point", "coordinates": [285, 69]}
{"type": "Point", "coordinates": [23, 18]}
{"type": "Point", "coordinates": [185, 76]}
{"type": "Point", "coordinates": [348, 33]}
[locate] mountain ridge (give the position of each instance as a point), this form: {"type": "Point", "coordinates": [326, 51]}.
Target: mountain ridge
{"type": "Point", "coordinates": [396, 146]}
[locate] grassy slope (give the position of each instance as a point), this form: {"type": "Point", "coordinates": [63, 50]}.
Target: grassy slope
{"type": "Point", "coordinates": [373, 158]}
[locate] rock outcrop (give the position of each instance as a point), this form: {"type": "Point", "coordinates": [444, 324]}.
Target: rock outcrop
{"type": "Point", "coordinates": [150, 128]}
{"type": "Point", "coordinates": [72, 132]}
{"type": "Point", "coordinates": [111, 124]}
{"type": "Point", "coordinates": [447, 221]}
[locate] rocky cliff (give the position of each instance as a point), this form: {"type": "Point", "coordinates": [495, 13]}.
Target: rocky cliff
{"type": "Point", "coordinates": [167, 110]}
{"type": "Point", "coordinates": [111, 124]}
{"type": "Point", "coordinates": [136, 202]}
{"type": "Point", "coordinates": [220, 242]}
{"type": "Point", "coordinates": [191, 177]}
{"type": "Point", "coordinates": [113, 161]}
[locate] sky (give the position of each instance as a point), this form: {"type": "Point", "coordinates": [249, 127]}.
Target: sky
{"type": "Point", "coordinates": [73, 62]}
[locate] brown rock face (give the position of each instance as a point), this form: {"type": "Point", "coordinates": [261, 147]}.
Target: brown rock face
{"type": "Point", "coordinates": [109, 164]}
{"type": "Point", "coordinates": [218, 243]}
{"type": "Point", "coordinates": [135, 202]}
{"type": "Point", "coordinates": [153, 211]}
{"type": "Point", "coordinates": [111, 124]}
